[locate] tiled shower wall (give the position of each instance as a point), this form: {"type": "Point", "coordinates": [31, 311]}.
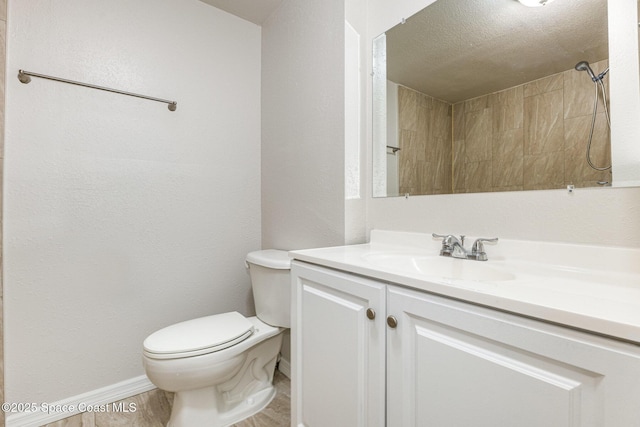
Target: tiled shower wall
{"type": "Point", "coordinates": [424, 136]}
{"type": "Point", "coordinates": [532, 136]}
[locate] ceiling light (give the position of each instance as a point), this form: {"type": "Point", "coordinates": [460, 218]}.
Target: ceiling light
{"type": "Point", "coordinates": [535, 3]}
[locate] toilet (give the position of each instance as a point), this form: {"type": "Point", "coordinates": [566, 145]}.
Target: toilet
{"type": "Point", "coordinates": [221, 367]}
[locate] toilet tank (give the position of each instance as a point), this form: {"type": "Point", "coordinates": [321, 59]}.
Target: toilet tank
{"type": "Point", "coordinates": [271, 282]}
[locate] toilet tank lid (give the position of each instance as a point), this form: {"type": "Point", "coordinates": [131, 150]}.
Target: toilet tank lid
{"type": "Point", "coordinates": [270, 258]}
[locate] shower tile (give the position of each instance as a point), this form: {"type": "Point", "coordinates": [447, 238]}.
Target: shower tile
{"type": "Point", "coordinates": [511, 96]}
{"type": "Point", "coordinates": [459, 167]}
{"type": "Point", "coordinates": [439, 172]}
{"type": "Point", "coordinates": [408, 174]}
{"type": "Point", "coordinates": [439, 125]}
{"type": "Point", "coordinates": [578, 94]}
{"type": "Point", "coordinates": [543, 171]}
{"type": "Point", "coordinates": [508, 158]}
{"type": "Point", "coordinates": [513, 131]}
{"type": "Point", "coordinates": [577, 130]}
{"type": "Point", "coordinates": [546, 84]}
{"type": "Point", "coordinates": [420, 143]}
{"type": "Point", "coordinates": [543, 123]}
{"type": "Point", "coordinates": [508, 171]}
{"type": "Point", "coordinates": [423, 178]}
{"type": "Point", "coordinates": [506, 117]}
{"type": "Point", "coordinates": [408, 143]}
{"type": "Point", "coordinates": [546, 187]}
{"type": "Point", "coordinates": [407, 160]}
{"type": "Point", "coordinates": [476, 104]}
{"type": "Point", "coordinates": [423, 143]}
{"type": "Point", "coordinates": [407, 109]}
{"type": "Point", "coordinates": [508, 143]}
{"type": "Point", "coordinates": [424, 124]}
{"type": "Point", "coordinates": [576, 134]}
{"type": "Point", "coordinates": [507, 109]}
{"type": "Point", "coordinates": [424, 101]}
{"type": "Point", "coordinates": [478, 176]}
{"type": "Point", "coordinates": [478, 135]}
{"type": "Point", "coordinates": [458, 121]}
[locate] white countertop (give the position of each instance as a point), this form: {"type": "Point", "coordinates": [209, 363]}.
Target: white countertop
{"type": "Point", "coordinates": [587, 287]}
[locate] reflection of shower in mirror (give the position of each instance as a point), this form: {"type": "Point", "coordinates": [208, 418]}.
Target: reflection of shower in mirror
{"type": "Point", "coordinates": [599, 87]}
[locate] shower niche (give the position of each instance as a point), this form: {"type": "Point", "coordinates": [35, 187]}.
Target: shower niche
{"type": "Point", "coordinates": [472, 97]}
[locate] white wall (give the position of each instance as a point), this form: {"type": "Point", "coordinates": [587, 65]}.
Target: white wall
{"type": "Point", "coordinates": [357, 82]}
{"type": "Point", "coordinates": [624, 91]}
{"type": "Point", "coordinates": [121, 217]}
{"type": "Point", "coordinates": [600, 216]}
{"type": "Point", "coordinates": [303, 131]}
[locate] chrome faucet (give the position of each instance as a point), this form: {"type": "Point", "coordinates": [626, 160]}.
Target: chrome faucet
{"type": "Point", "coordinates": [454, 247]}
{"type": "Point", "coordinates": [451, 245]}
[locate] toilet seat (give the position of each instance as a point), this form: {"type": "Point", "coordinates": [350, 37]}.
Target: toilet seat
{"type": "Point", "coordinates": [198, 336]}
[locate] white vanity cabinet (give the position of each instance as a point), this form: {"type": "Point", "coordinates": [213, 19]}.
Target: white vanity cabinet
{"type": "Point", "coordinates": [448, 363]}
{"type": "Point", "coordinates": [338, 345]}
{"type": "Point", "coordinates": [451, 363]}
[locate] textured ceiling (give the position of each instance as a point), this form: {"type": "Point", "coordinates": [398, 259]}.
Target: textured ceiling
{"type": "Point", "coordinates": [459, 49]}
{"type": "Point", "coordinates": [255, 11]}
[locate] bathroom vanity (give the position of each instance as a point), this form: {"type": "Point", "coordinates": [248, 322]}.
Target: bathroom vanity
{"type": "Point", "coordinates": [390, 333]}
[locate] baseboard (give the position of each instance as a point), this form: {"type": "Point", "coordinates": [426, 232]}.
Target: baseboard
{"type": "Point", "coordinates": [285, 367]}
{"type": "Point", "coordinates": [101, 396]}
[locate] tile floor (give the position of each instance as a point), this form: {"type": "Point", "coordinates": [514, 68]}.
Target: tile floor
{"type": "Point", "coordinates": [154, 409]}
{"type": "Point", "coordinates": [278, 413]}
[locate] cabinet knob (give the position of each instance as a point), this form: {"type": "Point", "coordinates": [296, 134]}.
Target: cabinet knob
{"type": "Point", "coordinates": [371, 313]}
{"type": "Point", "coordinates": [392, 321]}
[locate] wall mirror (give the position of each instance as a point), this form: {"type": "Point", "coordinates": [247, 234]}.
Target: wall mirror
{"type": "Point", "coordinates": [492, 96]}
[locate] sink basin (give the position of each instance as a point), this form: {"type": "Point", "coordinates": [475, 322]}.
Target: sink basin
{"type": "Point", "coordinates": [444, 267]}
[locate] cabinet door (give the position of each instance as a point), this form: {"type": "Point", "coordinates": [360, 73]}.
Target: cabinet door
{"type": "Point", "coordinates": [457, 365]}
{"type": "Point", "coordinates": [338, 350]}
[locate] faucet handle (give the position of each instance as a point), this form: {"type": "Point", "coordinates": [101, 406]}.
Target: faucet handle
{"type": "Point", "coordinates": [440, 236]}
{"type": "Point", "coordinates": [477, 250]}
{"type": "Point", "coordinates": [447, 243]}
{"type": "Point", "coordinates": [447, 239]}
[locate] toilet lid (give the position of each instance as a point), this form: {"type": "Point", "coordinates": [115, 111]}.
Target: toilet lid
{"type": "Point", "coordinates": [198, 336]}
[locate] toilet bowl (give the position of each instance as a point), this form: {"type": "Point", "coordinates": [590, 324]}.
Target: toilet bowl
{"type": "Point", "coordinates": [221, 367]}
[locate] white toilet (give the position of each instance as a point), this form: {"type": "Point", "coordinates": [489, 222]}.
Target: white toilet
{"type": "Point", "coordinates": [221, 367]}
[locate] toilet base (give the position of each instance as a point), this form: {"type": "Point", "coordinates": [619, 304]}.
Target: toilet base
{"type": "Point", "coordinates": [197, 408]}
{"type": "Point", "coordinates": [244, 393]}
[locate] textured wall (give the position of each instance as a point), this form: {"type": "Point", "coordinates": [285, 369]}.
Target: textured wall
{"type": "Point", "coordinates": [3, 34]}
{"type": "Point", "coordinates": [303, 133]}
{"type": "Point", "coordinates": [120, 216]}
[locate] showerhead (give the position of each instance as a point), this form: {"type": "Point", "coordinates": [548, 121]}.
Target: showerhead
{"type": "Point", "coordinates": [584, 66]}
